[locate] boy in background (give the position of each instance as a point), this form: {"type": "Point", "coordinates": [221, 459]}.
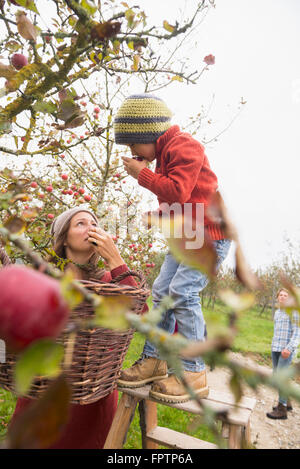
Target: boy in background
{"type": "Point", "coordinates": [285, 341]}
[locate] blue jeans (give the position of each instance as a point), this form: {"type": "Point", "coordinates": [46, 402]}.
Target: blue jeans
{"type": "Point", "coordinates": [183, 284]}
{"type": "Point", "coordinates": [280, 362]}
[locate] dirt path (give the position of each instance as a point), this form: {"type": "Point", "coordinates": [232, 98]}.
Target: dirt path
{"type": "Point", "coordinates": [265, 433]}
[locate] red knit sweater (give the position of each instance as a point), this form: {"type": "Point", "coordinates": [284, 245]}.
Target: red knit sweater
{"type": "Point", "coordinates": [182, 175]}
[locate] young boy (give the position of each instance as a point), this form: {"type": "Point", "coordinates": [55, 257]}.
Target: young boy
{"type": "Point", "coordinates": [285, 341]}
{"type": "Point", "coordinates": [182, 175]}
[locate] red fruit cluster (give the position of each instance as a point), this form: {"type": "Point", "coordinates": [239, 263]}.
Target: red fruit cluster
{"type": "Point", "coordinates": [31, 307]}
{"type": "Point", "coordinates": [209, 59]}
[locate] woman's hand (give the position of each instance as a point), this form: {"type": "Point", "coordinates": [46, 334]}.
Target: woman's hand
{"type": "Point", "coordinates": [105, 247]}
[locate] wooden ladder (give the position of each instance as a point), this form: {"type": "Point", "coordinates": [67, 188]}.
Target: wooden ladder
{"type": "Point", "coordinates": [236, 430]}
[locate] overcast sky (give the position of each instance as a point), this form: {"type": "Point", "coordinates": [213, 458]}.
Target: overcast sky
{"type": "Point", "coordinates": [256, 45]}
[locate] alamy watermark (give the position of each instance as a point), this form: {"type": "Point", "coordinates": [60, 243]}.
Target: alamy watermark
{"type": "Point", "coordinates": [185, 221]}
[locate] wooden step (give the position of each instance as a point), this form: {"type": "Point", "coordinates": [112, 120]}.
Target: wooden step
{"type": "Point", "coordinates": [172, 439]}
{"type": "Point", "coordinates": [237, 414]}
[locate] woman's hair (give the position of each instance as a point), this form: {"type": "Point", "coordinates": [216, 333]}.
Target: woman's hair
{"type": "Point", "coordinates": [89, 270]}
{"type": "Point", "coordinates": [280, 290]}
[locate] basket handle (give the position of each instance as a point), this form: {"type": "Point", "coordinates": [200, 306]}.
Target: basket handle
{"type": "Point", "coordinates": [4, 258]}
{"type": "Point", "coordinates": [130, 273]}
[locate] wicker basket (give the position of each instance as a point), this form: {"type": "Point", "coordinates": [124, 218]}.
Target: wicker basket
{"type": "Point", "coordinates": [98, 353]}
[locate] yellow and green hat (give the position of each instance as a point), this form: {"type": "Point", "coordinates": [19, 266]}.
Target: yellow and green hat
{"type": "Point", "coordinates": [142, 118]}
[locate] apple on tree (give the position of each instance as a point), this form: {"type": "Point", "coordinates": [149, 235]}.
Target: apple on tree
{"type": "Point", "coordinates": [31, 307]}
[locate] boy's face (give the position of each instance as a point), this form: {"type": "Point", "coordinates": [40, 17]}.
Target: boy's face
{"type": "Point", "coordinates": [143, 150]}
{"type": "Point", "coordinates": [282, 297]}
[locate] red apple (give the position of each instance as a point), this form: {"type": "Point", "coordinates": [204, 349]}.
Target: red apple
{"type": "Point", "coordinates": [64, 177]}
{"type": "Point", "coordinates": [31, 306]}
{"type": "Point", "coordinates": [49, 188]}
{"type": "Point", "coordinates": [33, 184]}
{"type": "Point", "coordinates": [19, 61]}
{"type": "Point", "coordinates": [50, 215]}
{"type": "Point", "coordinates": [87, 198]}
{"type": "Point", "coordinates": [81, 190]}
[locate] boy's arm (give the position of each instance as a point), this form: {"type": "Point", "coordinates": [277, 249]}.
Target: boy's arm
{"type": "Point", "coordinates": [186, 160]}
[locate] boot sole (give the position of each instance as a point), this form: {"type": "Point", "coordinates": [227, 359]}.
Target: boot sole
{"type": "Point", "coordinates": [203, 392]}
{"type": "Point", "coordinates": [138, 384]}
{"type": "Point", "coordinates": [277, 418]}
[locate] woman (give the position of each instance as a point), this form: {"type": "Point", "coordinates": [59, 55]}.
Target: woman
{"type": "Point", "coordinates": [77, 238]}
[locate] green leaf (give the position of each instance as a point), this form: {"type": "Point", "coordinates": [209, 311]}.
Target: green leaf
{"type": "Point", "coordinates": [72, 21]}
{"type": "Point", "coordinates": [168, 26]}
{"type": "Point", "coordinates": [89, 6]}
{"type": "Point", "coordinates": [29, 4]}
{"type": "Point", "coordinates": [15, 225]}
{"type": "Point", "coordinates": [129, 15]}
{"type": "Point", "coordinates": [67, 109]}
{"type": "Point", "coordinates": [177, 78]}
{"type": "Point", "coordinates": [41, 358]}
{"type": "Point", "coordinates": [72, 296]}
{"type": "Point", "coordinates": [5, 127]}
{"type": "Point", "coordinates": [111, 312]}
{"type": "Point", "coordinates": [44, 107]}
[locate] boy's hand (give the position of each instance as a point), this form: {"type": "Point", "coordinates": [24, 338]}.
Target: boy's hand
{"type": "Point", "coordinates": [133, 167]}
{"type": "Point", "coordinates": [285, 353]}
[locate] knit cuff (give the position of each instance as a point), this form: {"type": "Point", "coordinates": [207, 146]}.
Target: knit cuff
{"type": "Point", "coordinates": [146, 178]}
{"type": "Point", "coordinates": [118, 270]}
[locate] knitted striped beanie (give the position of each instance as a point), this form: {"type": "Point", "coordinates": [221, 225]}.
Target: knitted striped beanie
{"type": "Point", "coordinates": [142, 118]}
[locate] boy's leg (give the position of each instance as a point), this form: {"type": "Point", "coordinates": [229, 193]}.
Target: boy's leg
{"type": "Point", "coordinates": [184, 289]}
{"type": "Point", "coordinates": [280, 411]}
{"type": "Point", "coordinates": [150, 368]}
{"type": "Point", "coordinates": [284, 363]}
{"type": "Point", "coordinates": [161, 289]}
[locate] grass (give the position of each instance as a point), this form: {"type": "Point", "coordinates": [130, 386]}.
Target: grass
{"type": "Point", "coordinates": [254, 337]}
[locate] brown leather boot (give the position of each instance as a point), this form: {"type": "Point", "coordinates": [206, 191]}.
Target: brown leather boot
{"type": "Point", "coordinates": [172, 390]}
{"type": "Point", "coordinates": [145, 370]}
{"type": "Point", "coordinates": [279, 413]}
